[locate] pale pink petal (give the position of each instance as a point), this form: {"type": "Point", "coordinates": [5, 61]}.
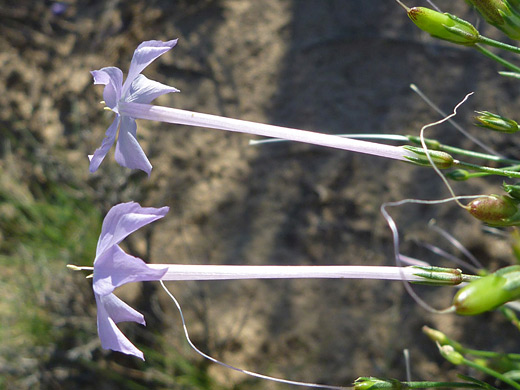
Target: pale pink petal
{"type": "Point", "coordinates": [112, 78]}
{"type": "Point", "coordinates": [124, 219]}
{"type": "Point", "coordinates": [110, 311]}
{"type": "Point", "coordinates": [145, 54]}
{"type": "Point", "coordinates": [108, 141]}
{"type": "Point", "coordinates": [128, 151]}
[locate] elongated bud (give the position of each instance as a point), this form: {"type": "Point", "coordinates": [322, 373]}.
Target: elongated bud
{"type": "Point", "coordinates": [496, 122]}
{"type": "Point", "coordinates": [449, 353]}
{"type": "Point", "coordinates": [442, 160]}
{"type": "Point", "coordinates": [443, 25]}
{"type": "Point", "coordinates": [495, 210]}
{"type": "Point", "coordinates": [488, 292]}
{"type": "Point", "coordinates": [437, 276]}
{"type": "Point", "coordinates": [503, 14]}
{"type": "Point", "coordinates": [435, 335]}
{"type": "Point", "coordinates": [458, 175]}
{"type": "Point", "coordinates": [440, 338]}
{"type": "Point", "coordinates": [373, 383]}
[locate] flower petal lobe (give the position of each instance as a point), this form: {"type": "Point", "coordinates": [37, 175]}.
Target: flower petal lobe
{"type": "Point", "coordinates": [108, 141]}
{"type": "Point", "coordinates": [144, 55]}
{"type": "Point", "coordinates": [128, 151]}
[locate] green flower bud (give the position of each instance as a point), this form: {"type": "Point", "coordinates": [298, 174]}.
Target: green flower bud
{"type": "Point", "coordinates": [440, 338]}
{"type": "Point", "coordinates": [491, 10]}
{"type": "Point", "coordinates": [435, 335]}
{"type": "Point", "coordinates": [442, 160]}
{"type": "Point", "coordinates": [488, 292]}
{"type": "Point", "coordinates": [449, 353]}
{"type": "Point", "coordinates": [495, 210]}
{"type": "Point", "coordinates": [496, 122]}
{"type": "Point", "coordinates": [511, 27]}
{"type": "Point", "coordinates": [503, 14]}
{"type": "Point", "coordinates": [373, 383]}
{"type": "Point", "coordinates": [458, 175]}
{"type": "Point", "coordinates": [443, 25]}
{"type": "Point", "coordinates": [512, 189]}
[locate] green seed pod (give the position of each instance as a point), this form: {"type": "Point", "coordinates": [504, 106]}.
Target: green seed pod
{"type": "Point", "coordinates": [496, 122]}
{"type": "Point", "coordinates": [488, 292]}
{"type": "Point", "coordinates": [444, 26]}
{"type": "Point", "coordinates": [495, 210]}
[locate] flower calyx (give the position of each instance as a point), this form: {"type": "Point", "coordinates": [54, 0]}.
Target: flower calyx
{"type": "Point", "coordinates": [442, 160]}
{"type": "Point", "coordinates": [443, 25]}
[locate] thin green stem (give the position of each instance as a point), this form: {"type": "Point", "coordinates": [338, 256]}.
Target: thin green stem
{"type": "Point", "coordinates": [489, 170]}
{"type": "Point", "coordinates": [452, 122]}
{"type": "Point", "coordinates": [489, 371]}
{"type": "Point", "coordinates": [471, 176]}
{"type": "Point", "coordinates": [498, 44]}
{"type": "Point", "coordinates": [496, 58]}
{"type": "Point", "coordinates": [490, 354]}
{"type": "Point", "coordinates": [511, 316]}
{"type": "Point", "coordinates": [467, 175]}
{"type": "Point", "coordinates": [374, 383]}
{"type": "Point", "coordinates": [484, 156]}
{"type": "Point", "coordinates": [434, 144]}
{"type": "Point", "coordinates": [439, 385]}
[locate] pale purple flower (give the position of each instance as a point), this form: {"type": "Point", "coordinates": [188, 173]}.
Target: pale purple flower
{"type": "Point", "coordinates": [131, 100]}
{"type": "Point", "coordinates": [138, 89]}
{"type": "Point", "coordinates": [113, 268]}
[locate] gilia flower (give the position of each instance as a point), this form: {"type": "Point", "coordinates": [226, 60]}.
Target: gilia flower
{"type": "Point", "coordinates": [113, 268]}
{"type": "Point", "coordinates": [131, 100]}
{"type": "Point", "coordinates": [138, 89]}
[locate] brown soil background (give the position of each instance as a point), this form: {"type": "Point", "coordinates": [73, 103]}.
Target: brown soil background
{"type": "Point", "coordinates": [330, 66]}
